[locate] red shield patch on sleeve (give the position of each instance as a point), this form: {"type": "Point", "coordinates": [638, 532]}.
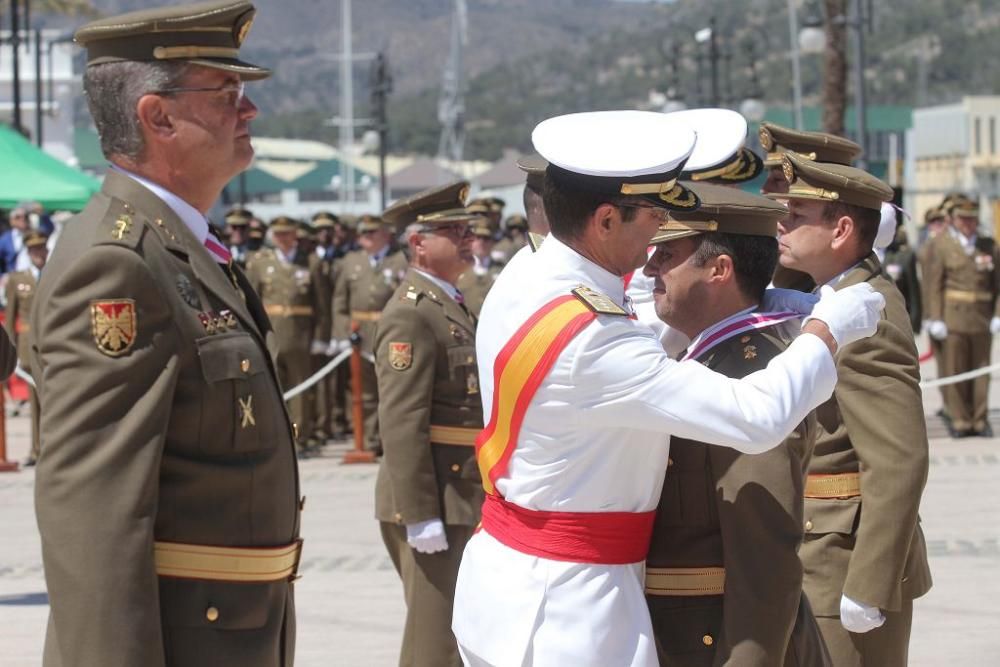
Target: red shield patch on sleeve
{"type": "Point", "coordinates": [400, 355]}
{"type": "Point", "coordinates": [113, 324]}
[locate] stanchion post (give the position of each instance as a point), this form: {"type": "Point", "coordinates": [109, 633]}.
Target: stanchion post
{"type": "Point", "coordinates": [5, 465]}
{"type": "Point", "coordinates": [359, 454]}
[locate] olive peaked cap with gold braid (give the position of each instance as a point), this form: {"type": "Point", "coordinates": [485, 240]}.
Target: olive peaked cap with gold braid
{"type": "Point", "coordinates": [205, 33]}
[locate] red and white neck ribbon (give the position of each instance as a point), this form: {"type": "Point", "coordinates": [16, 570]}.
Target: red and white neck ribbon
{"type": "Point", "coordinates": [726, 329]}
{"type": "Point", "coordinates": [217, 251]}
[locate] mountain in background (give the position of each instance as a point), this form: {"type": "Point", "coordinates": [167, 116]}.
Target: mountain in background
{"type": "Point", "coordinates": [526, 60]}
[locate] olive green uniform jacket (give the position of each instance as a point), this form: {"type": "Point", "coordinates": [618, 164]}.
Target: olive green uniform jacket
{"type": "Point", "coordinates": [721, 508]}
{"type": "Point", "coordinates": [870, 546]}
{"type": "Point", "coordinates": [475, 286]}
{"type": "Point", "coordinates": [962, 291]}
{"type": "Point", "coordinates": [429, 415]}
{"type": "Point", "coordinates": [296, 296]}
{"type": "Point", "coordinates": [155, 429]}
{"type": "Point", "coordinates": [360, 293]}
{"type": "Point", "coordinates": [21, 287]}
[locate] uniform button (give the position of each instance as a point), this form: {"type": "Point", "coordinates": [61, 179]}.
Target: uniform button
{"type": "Point", "coordinates": [707, 640]}
{"type": "Point", "coordinates": [245, 365]}
{"type": "Point", "coordinates": [670, 462]}
{"type": "Point", "coordinates": [469, 360]}
{"type": "Point", "coordinates": [809, 526]}
{"type": "Point", "coordinates": [399, 518]}
{"type": "Point", "coordinates": [455, 467]}
{"type": "Point", "coordinates": [295, 430]}
{"type": "Point", "coordinates": [212, 614]}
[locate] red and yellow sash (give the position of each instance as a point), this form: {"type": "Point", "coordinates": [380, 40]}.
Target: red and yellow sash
{"type": "Point", "coordinates": [518, 371]}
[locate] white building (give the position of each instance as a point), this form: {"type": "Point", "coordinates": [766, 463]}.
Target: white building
{"type": "Point", "coordinates": [955, 147]}
{"type": "Point", "coordinates": [60, 87]}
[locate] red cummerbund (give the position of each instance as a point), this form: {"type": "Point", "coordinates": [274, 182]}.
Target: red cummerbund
{"type": "Point", "coordinates": [604, 538]}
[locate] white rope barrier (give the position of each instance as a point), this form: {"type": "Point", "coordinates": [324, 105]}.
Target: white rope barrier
{"type": "Point", "coordinates": [317, 376]}
{"type": "Point", "coordinates": [961, 377]}
{"type": "Point", "coordinates": [24, 375]}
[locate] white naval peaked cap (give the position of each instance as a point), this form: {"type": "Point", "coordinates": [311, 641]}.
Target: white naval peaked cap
{"type": "Point", "coordinates": [639, 153]}
{"type": "Point", "coordinates": [721, 134]}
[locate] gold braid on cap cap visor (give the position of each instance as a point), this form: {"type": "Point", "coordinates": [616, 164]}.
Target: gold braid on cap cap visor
{"type": "Point", "coordinates": [672, 225]}
{"type": "Point", "coordinates": [188, 52]}
{"type": "Point", "coordinates": [724, 170]}
{"type": "Point", "coordinates": [669, 192]}
{"type": "Point", "coordinates": [744, 169]}
{"type": "Point", "coordinates": [774, 158]}
{"type": "Point", "coordinates": [450, 213]}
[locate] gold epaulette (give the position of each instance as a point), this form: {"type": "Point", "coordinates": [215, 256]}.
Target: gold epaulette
{"type": "Point", "coordinates": [597, 302]}
{"type": "Point", "coordinates": [535, 241]}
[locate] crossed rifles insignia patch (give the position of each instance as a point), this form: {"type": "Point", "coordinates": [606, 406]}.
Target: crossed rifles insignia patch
{"type": "Point", "coordinates": [113, 323]}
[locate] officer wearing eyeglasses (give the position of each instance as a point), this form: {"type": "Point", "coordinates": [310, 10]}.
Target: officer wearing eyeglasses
{"type": "Point", "coordinates": [428, 493]}
{"type": "Point", "coordinates": [166, 492]}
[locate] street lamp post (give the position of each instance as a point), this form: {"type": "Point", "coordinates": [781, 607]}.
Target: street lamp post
{"type": "Point", "coordinates": [860, 122]}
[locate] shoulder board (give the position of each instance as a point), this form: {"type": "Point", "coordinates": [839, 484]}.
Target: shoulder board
{"type": "Point", "coordinates": [411, 294]}
{"type": "Point", "coordinates": [535, 241]}
{"type": "Point", "coordinates": [597, 302]}
{"type": "Point", "coordinates": [120, 225]}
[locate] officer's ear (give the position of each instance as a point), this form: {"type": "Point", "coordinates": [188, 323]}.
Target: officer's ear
{"type": "Point", "coordinates": [604, 218]}
{"type": "Point", "coordinates": [154, 117]}
{"type": "Point", "coordinates": [722, 269]}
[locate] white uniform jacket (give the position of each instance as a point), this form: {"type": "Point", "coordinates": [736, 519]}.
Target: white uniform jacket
{"type": "Point", "coordinates": [595, 438]}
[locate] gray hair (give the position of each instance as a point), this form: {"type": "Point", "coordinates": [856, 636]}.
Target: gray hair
{"type": "Point", "coordinates": [113, 90]}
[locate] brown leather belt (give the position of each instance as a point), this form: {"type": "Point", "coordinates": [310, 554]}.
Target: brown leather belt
{"type": "Point", "coordinates": [844, 485]}
{"type": "Point", "coordinates": [366, 315]}
{"type": "Point", "coordinates": [968, 296]}
{"type": "Point", "coordinates": [279, 310]}
{"type": "Point", "coordinates": [454, 435]}
{"type": "Point", "coordinates": [197, 561]}
{"type": "Point", "coordinates": [685, 581]}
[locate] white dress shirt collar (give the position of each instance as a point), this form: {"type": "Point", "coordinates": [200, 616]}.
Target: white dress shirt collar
{"type": "Point", "coordinates": [968, 243]}
{"type": "Point", "coordinates": [378, 257]}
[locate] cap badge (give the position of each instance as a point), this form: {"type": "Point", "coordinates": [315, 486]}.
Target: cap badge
{"type": "Point", "coordinates": [244, 30]}
{"type": "Point", "coordinates": [113, 324]}
{"type": "Point", "coordinates": [400, 355]}
{"type": "Point", "coordinates": [788, 170]}
{"type": "Point", "coordinates": [766, 140]}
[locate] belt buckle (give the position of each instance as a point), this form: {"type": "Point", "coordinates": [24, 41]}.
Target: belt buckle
{"type": "Point", "coordinates": [295, 576]}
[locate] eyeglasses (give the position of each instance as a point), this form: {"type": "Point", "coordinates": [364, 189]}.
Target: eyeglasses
{"type": "Point", "coordinates": [658, 211]}
{"type": "Point", "coordinates": [236, 92]}
{"type": "Point", "coordinates": [458, 230]}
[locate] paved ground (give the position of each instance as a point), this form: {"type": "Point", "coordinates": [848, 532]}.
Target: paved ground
{"type": "Point", "coordinates": [350, 601]}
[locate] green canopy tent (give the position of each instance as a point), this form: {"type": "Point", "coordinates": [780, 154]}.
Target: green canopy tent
{"type": "Point", "coordinates": [256, 182]}
{"type": "Point", "coordinates": [320, 178]}
{"type": "Point", "coordinates": [31, 174]}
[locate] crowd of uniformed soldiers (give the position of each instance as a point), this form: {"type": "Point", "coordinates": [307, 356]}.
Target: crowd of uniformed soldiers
{"type": "Point", "coordinates": [324, 279]}
{"type": "Point", "coordinates": [810, 554]}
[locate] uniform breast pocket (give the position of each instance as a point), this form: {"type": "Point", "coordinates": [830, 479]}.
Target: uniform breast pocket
{"type": "Point", "coordinates": [238, 411]}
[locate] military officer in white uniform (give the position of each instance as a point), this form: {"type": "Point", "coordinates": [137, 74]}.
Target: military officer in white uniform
{"type": "Point", "coordinates": [578, 427]}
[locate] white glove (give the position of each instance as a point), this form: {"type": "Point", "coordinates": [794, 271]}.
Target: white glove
{"type": "Point", "coordinates": [777, 299]}
{"type": "Point", "coordinates": [937, 329]}
{"type": "Point", "coordinates": [995, 325]}
{"type": "Point", "coordinates": [427, 537]}
{"type": "Point", "coordinates": [857, 617]}
{"type": "Point", "coordinates": [851, 313]}
{"type": "Point", "coordinates": [337, 346]}
{"type": "Point", "coordinates": [318, 347]}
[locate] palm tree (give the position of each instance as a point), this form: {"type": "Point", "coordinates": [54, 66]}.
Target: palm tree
{"type": "Point", "coordinates": [835, 67]}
